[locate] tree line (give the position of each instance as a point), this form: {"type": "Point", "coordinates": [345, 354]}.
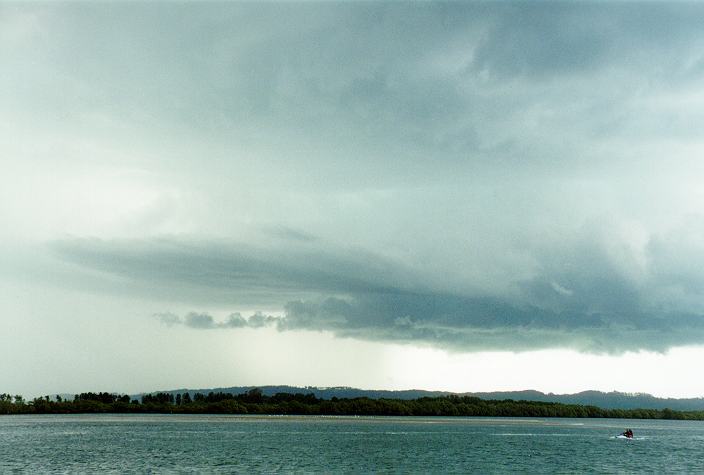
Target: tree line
{"type": "Point", "coordinates": [255, 402]}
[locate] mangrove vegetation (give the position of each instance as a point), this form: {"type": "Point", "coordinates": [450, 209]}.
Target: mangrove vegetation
{"type": "Point", "coordinates": [255, 402]}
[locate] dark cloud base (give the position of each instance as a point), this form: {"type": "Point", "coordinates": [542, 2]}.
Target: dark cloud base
{"type": "Point", "coordinates": [464, 324]}
{"type": "Point", "coordinates": [359, 295]}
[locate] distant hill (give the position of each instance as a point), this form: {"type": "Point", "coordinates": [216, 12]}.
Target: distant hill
{"type": "Point", "coordinates": [321, 393]}
{"type": "Point", "coordinates": [611, 400]}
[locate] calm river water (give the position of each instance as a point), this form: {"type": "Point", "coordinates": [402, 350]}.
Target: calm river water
{"type": "Point", "coordinates": [183, 443]}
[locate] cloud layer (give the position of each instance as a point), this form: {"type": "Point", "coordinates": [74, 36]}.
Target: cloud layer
{"type": "Point", "coordinates": [584, 295]}
{"type": "Point", "coordinates": [465, 175]}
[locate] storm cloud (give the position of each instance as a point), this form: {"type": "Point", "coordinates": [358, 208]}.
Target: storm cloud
{"type": "Point", "coordinates": [580, 295]}
{"type": "Point", "coordinates": [467, 176]}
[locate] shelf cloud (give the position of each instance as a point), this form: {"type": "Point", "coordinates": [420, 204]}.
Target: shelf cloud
{"type": "Point", "coordinates": [359, 295]}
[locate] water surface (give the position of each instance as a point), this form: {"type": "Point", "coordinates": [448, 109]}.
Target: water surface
{"type": "Point", "coordinates": [194, 443]}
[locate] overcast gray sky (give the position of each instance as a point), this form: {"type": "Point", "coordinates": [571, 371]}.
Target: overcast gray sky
{"type": "Point", "coordinates": [365, 194]}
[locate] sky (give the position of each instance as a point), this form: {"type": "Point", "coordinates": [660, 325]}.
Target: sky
{"type": "Point", "coordinates": [449, 196]}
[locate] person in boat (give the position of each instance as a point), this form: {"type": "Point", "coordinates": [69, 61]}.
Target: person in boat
{"type": "Point", "coordinates": [628, 433]}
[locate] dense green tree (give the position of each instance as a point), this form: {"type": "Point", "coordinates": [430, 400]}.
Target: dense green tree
{"type": "Point", "coordinates": [255, 402]}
